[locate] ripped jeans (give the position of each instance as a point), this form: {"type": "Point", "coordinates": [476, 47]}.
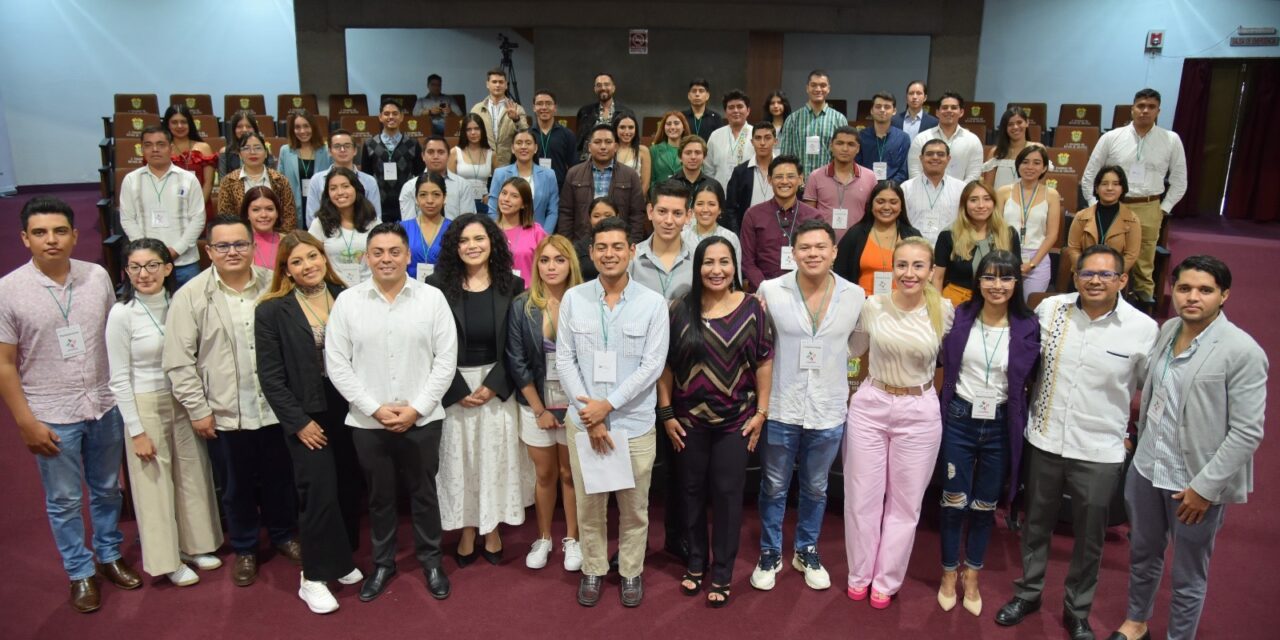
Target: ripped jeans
{"type": "Point", "coordinates": [974, 454]}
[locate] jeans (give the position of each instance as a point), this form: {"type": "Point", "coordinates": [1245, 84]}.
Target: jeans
{"type": "Point", "coordinates": [91, 452]}
{"type": "Point", "coordinates": [975, 452]}
{"type": "Point", "coordinates": [185, 272]}
{"type": "Point", "coordinates": [779, 446]}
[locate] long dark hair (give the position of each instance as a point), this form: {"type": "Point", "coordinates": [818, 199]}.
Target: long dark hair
{"type": "Point", "coordinates": [868, 218]}
{"type": "Point", "coordinates": [1002, 263]}
{"type": "Point", "coordinates": [786, 105]}
{"type": "Point", "coordinates": [233, 144]}
{"type": "Point", "coordinates": [635, 139]}
{"type": "Point", "coordinates": [463, 141]}
{"type": "Point", "coordinates": [1002, 131]}
{"type": "Point", "coordinates": [690, 345]}
{"type": "Point", "coordinates": [128, 293]}
{"type": "Point", "coordinates": [329, 216]}
{"type": "Point", "coordinates": [181, 109]}
{"type": "Point", "coordinates": [451, 271]}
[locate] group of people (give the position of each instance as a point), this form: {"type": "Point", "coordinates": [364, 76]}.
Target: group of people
{"type": "Point", "coordinates": [495, 361]}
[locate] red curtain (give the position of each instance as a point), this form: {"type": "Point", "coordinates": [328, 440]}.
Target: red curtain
{"type": "Point", "coordinates": [1190, 121]}
{"type": "Point", "coordinates": [1253, 185]}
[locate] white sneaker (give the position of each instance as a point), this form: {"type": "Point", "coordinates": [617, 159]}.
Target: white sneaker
{"type": "Point", "coordinates": [184, 576]}
{"type": "Point", "coordinates": [352, 578]}
{"type": "Point", "coordinates": [572, 554]}
{"type": "Point", "coordinates": [807, 562]}
{"type": "Point", "coordinates": [764, 576]}
{"type": "Point", "coordinates": [317, 596]}
{"type": "Point", "coordinates": [537, 557]}
{"type": "Point", "coordinates": [203, 561]}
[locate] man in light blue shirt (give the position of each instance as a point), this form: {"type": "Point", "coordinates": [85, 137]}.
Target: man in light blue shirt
{"type": "Point", "coordinates": [610, 349]}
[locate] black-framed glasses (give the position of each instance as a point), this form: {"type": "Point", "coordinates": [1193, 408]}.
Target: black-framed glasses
{"type": "Point", "coordinates": [151, 267]}
{"type": "Point", "coordinates": [990, 281]}
{"type": "Point", "coordinates": [224, 247]}
{"type": "Point", "coordinates": [1105, 276]}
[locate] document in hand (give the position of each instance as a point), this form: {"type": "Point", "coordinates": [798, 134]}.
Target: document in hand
{"type": "Point", "coordinates": [602, 473]}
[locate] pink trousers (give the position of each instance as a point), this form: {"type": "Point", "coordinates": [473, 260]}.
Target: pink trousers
{"type": "Point", "coordinates": [891, 446]}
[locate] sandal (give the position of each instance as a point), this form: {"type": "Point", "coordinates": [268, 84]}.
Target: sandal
{"type": "Point", "coordinates": [720, 590]}
{"type": "Point", "coordinates": [696, 579]}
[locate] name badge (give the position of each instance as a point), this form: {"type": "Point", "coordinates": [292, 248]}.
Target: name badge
{"type": "Point", "coordinates": [813, 145]}
{"type": "Point", "coordinates": [882, 282]}
{"type": "Point", "coordinates": [1137, 173]}
{"type": "Point", "coordinates": [606, 367]}
{"type": "Point", "coordinates": [786, 260]}
{"type": "Point", "coordinates": [810, 355]}
{"type": "Point", "coordinates": [425, 269]}
{"type": "Point", "coordinates": [71, 341]}
{"type": "Point", "coordinates": [350, 273]}
{"type": "Point", "coordinates": [544, 162]}
{"type": "Point", "coordinates": [159, 218]}
{"type": "Point", "coordinates": [306, 185]}
{"type": "Point", "coordinates": [1155, 411]}
{"type": "Point", "coordinates": [931, 222]}
{"type": "Point", "coordinates": [881, 169]}
{"type": "Point", "coordinates": [516, 273]}
{"type": "Point", "coordinates": [389, 171]}
{"type": "Point", "coordinates": [552, 372]}
{"type": "Point", "coordinates": [553, 396]}
{"type": "Point", "coordinates": [840, 218]}
{"type": "Point", "coordinates": [984, 406]}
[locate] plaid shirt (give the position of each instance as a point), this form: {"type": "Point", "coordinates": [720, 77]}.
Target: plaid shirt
{"type": "Point", "coordinates": [602, 179]}
{"type": "Point", "coordinates": [804, 123]}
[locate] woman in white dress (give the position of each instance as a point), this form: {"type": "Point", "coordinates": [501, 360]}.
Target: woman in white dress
{"type": "Point", "coordinates": [473, 159]}
{"type": "Point", "coordinates": [1035, 210]}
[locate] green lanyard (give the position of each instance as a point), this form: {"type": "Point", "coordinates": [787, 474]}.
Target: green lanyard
{"type": "Point", "coordinates": [934, 200]}
{"type": "Point", "coordinates": [303, 298]}
{"type": "Point", "coordinates": [990, 356]}
{"type": "Point", "coordinates": [157, 325]}
{"type": "Point", "coordinates": [1142, 141]}
{"type": "Point", "coordinates": [66, 311]}
{"type": "Point", "coordinates": [1026, 207]}
{"type": "Point", "coordinates": [604, 321]}
{"type": "Point", "coordinates": [544, 143]}
{"type": "Point", "coordinates": [348, 253]}
{"type": "Point", "coordinates": [814, 322]}
{"type": "Point", "coordinates": [880, 148]}
{"type": "Point", "coordinates": [160, 189]}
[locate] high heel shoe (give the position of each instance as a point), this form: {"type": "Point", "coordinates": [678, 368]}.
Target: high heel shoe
{"type": "Point", "coordinates": [465, 559]}
{"type": "Point", "coordinates": [947, 602]}
{"type": "Point", "coordinates": [971, 604]}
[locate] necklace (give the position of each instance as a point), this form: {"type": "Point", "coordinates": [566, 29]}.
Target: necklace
{"type": "Point", "coordinates": [312, 292]}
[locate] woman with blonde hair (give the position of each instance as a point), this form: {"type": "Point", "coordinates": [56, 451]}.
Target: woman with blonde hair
{"type": "Point", "coordinates": [289, 331]}
{"type": "Point", "coordinates": [664, 154]}
{"type": "Point", "coordinates": [531, 352]}
{"type": "Point", "coordinates": [978, 230]}
{"type": "Point", "coordinates": [894, 426]}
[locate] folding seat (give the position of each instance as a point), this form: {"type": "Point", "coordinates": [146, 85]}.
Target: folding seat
{"type": "Point", "coordinates": [347, 104]}
{"type": "Point", "coordinates": [200, 104]}
{"type": "Point", "coordinates": [136, 103]}
{"type": "Point", "coordinates": [255, 103]}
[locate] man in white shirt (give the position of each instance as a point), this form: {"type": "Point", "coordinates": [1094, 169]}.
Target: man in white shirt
{"type": "Point", "coordinates": [966, 148]}
{"type": "Point", "coordinates": [933, 197]}
{"type": "Point", "coordinates": [814, 312]}
{"type": "Point", "coordinates": [164, 202]}
{"type": "Point", "coordinates": [1094, 349]}
{"type": "Point", "coordinates": [343, 152]}
{"type": "Point", "coordinates": [212, 366]}
{"type": "Point", "coordinates": [727, 147]}
{"type": "Point", "coordinates": [459, 197]}
{"type": "Point", "coordinates": [749, 183]}
{"type": "Point", "coordinates": [1148, 154]}
{"type": "Point", "coordinates": [391, 349]}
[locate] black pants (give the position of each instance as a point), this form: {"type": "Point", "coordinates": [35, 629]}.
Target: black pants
{"type": "Point", "coordinates": [259, 486]}
{"type": "Point", "coordinates": [414, 455]}
{"type": "Point", "coordinates": [673, 491]}
{"type": "Point", "coordinates": [329, 490]}
{"type": "Point", "coordinates": [713, 465]}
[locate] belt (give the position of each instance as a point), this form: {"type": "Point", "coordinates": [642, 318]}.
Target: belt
{"type": "Point", "coordinates": [1141, 199]}
{"type": "Point", "coordinates": [901, 391]}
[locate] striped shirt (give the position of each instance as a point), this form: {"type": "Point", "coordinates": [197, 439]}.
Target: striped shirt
{"type": "Point", "coordinates": [802, 124]}
{"type": "Point", "coordinates": [718, 390]}
{"type": "Point", "coordinates": [1159, 455]}
{"type": "Point", "coordinates": [903, 345]}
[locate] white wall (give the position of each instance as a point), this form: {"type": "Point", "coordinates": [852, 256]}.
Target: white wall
{"type": "Point", "coordinates": [1091, 51]}
{"type": "Point", "coordinates": [399, 60]}
{"type": "Point", "coordinates": [858, 65]}
{"type": "Point", "coordinates": [61, 61]}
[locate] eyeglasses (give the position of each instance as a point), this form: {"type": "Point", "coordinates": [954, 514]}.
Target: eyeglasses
{"type": "Point", "coordinates": [990, 281]}
{"type": "Point", "coordinates": [151, 267]}
{"type": "Point", "coordinates": [344, 146]}
{"type": "Point", "coordinates": [254, 149]}
{"type": "Point", "coordinates": [1105, 276]}
{"type": "Point", "coordinates": [224, 247]}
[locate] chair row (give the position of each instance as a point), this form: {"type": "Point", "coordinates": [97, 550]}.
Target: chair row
{"type": "Point", "coordinates": [201, 104]}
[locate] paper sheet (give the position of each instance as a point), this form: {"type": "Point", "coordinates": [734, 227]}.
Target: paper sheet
{"type": "Point", "coordinates": [605, 473]}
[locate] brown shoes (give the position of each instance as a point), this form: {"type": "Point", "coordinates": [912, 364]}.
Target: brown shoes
{"type": "Point", "coordinates": [291, 550]}
{"type": "Point", "coordinates": [84, 595]}
{"type": "Point", "coordinates": [245, 570]}
{"type": "Point", "coordinates": [119, 573]}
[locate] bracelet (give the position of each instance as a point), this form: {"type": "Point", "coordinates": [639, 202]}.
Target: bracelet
{"type": "Point", "coordinates": [666, 413]}
{"type": "Point", "coordinates": [762, 412]}
{"type": "Point", "coordinates": [539, 414]}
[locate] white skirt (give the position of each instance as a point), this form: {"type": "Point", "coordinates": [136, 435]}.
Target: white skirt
{"type": "Point", "coordinates": [485, 477]}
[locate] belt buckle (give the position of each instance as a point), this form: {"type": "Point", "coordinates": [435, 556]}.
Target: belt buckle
{"type": "Point", "coordinates": [895, 391]}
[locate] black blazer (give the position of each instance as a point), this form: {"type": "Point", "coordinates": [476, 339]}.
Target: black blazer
{"type": "Point", "coordinates": [849, 252]}
{"type": "Point", "coordinates": [927, 121]}
{"type": "Point", "coordinates": [291, 381]}
{"type": "Point", "coordinates": [409, 165]}
{"type": "Point", "coordinates": [497, 380]}
{"type": "Point", "coordinates": [526, 359]}
{"type": "Point", "coordinates": [737, 194]}
{"type": "Point", "coordinates": [587, 117]}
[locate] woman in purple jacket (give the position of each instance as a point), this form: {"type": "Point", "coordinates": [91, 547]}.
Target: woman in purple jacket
{"type": "Point", "coordinates": [987, 359]}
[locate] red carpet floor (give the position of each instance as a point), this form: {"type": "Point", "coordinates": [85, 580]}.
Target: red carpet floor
{"type": "Point", "coordinates": [512, 601]}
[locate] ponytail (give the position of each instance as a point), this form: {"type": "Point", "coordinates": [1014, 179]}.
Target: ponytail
{"type": "Point", "coordinates": [932, 299]}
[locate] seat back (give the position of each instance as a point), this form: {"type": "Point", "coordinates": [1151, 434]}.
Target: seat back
{"type": "Point", "coordinates": [199, 104]}
{"type": "Point", "coordinates": [840, 105]}
{"type": "Point", "coordinates": [405, 100]}
{"type": "Point", "coordinates": [216, 143]}
{"type": "Point", "coordinates": [265, 124]}
{"type": "Point", "coordinates": [1035, 133]}
{"type": "Point", "coordinates": [1121, 116]}
{"type": "Point", "coordinates": [347, 104]}
{"type": "Point", "coordinates": [136, 103]}
{"type": "Point", "coordinates": [417, 127]}
{"type": "Point", "coordinates": [130, 125]}
{"type": "Point", "coordinates": [649, 124]}
{"type": "Point", "coordinates": [274, 143]}
{"type": "Point", "coordinates": [1068, 186]}
{"type": "Point", "coordinates": [980, 113]}
{"type": "Point", "coordinates": [287, 103]}
{"type": "Point", "coordinates": [128, 154]}
{"type": "Point", "coordinates": [1080, 115]}
{"type": "Point", "coordinates": [1076, 137]}
{"type": "Point", "coordinates": [1068, 160]}
{"type": "Point", "coordinates": [452, 126]}
{"type": "Point", "coordinates": [255, 103]}
{"type": "Point", "coordinates": [361, 127]}
{"type": "Point", "coordinates": [863, 111]}
{"type": "Point", "coordinates": [1035, 112]}
{"type": "Point", "coordinates": [207, 126]}
{"type": "Point", "coordinates": [977, 129]}
{"type": "Point", "coordinates": [571, 123]}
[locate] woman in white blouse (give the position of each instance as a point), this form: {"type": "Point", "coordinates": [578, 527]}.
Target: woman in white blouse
{"type": "Point", "coordinates": [169, 469]}
{"type": "Point", "coordinates": [894, 427]}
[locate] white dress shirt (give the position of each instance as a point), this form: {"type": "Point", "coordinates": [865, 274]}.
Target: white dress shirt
{"type": "Point", "coordinates": [1090, 368]}
{"type": "Point", "coordinates": [811, 398]}
{"type": "Point", "coordinates": [1159, 153]}
{"type": "Point", "coordinates": [932, 208]}
{"type": "Point", "coordinates": [459, 197]}
{"type": "Point", "coordinates": [402, 351]}
{"type": "Point", "coordinates": [1159, 454]}
{"type": "Point", "coordinates": [966, 153]}
{"type": "Point", "coordinates": [724, 152]}
{"type": "Point", "coordinates": [169, 208]}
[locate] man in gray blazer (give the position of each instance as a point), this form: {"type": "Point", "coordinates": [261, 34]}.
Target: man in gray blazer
{"type": "Point", "coordinates": [1200, 422]}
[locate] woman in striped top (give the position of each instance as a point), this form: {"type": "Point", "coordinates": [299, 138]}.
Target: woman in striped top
{"type": "Point", "coordinates": [713, 397]}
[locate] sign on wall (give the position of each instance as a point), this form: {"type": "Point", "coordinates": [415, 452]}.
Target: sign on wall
{"type": "Point", "coordinates": [638, 42]}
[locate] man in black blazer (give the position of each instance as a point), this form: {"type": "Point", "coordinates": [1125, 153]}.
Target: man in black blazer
{"type": "Point", "coordinates": [392, 158]}
{"type": "Point", "coordinates": [601, 112]}
{"type": "Point", "coordinates": [915, 119]}
{"type": "Point", "coordinates": [749, 183]}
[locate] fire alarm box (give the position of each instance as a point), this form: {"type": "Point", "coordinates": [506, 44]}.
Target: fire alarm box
{"type": "Point", "coordinates": [1155, 41]}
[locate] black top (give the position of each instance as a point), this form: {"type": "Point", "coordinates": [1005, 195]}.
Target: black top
{"type": "Point", "coordinates": [702, 127]}
{"type": "Point", "coordinates": [560, 146]}
{"type": "Point", "coordinates": [960, 268]}
{"type": "Point", "coordinates": [496, 307]}
{"type": "Point", "coordinates": [479, 341]}
{"type": "Point", "coordinates": [849, 252]}
{"type": "Point", "coordinates": [1104, 215]}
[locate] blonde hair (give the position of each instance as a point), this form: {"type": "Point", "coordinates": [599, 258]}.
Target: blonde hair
{"type": "Point", "coordinates": [932, 299]}
{"type": "Point", "coordinates": [963, 233]}
{"type": "Point", "coordinates": [537, 288]}
{"type": "Point", "coordinates": [281, 284]}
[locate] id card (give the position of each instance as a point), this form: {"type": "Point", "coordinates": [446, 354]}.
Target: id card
{"type": "Point", "coordinates": [882, 283]}
{"type": "Point", "coordinates": [553, 395]}
{"type": "Point", "coordinates": [984, 406]}
{"type": "Point", "coordinates": [552, 372]}
{"type": "Point", "coordinates": [1155, 411]}
{"type": "Point", "coordinates": [813, 145]}
{"type": "Point", "coordinates": [810, 355]}
{"type": "Point", "coordinates": [350, 273]}
{"type": "Point", "coordinates": [544, 162]}
{"type": "Point", "coordinates": [786, 260]}
{"type": "Point", "coordinates": [606, 367]}
{"type": "Point", "coordinates": [1137, 173]}
{"type": "Point", "coordinates": [930, 222]}
{"type": "Point", "coordinates": [840, 218]}
{"type": "Point", "coordinates": [389, 172]}
{"type": "Point", "coordinates": [306, 185]}
{"type": "Point", "coordinates": [425, 269]}
{"type": "Point", "coordinates": [881, 169]}
{"type": "Point", "coordinates": [71, 341]}
{"type": "Point", "coordinates": [159, 218]}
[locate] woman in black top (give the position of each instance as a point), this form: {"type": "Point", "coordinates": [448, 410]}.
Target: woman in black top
{"type": "Point", "coordinates": [884, 225]}
{"type": "Point", "coordinates": [485, 476]}
{"type": "Point", "coordinates": [978, 230]}
{"type": "Point", "coordinates": [289, 329]}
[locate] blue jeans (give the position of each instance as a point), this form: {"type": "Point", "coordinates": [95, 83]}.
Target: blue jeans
{"type": "Point", "coordinates": [90, 452]}
{"type": "Point", "coordinates": [975, 453]}
{"type": "Point", "coordinates": [779, 446]}
{"type": "Point", "coordinates": [186, 272]}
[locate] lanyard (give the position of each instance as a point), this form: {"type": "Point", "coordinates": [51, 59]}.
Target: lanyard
{"type": "Point", "coordinates": [778, 216]}
{"type": "Point", "coordinates": [934, 200]}
{"type": "Point", "coordinates": [880, 148]}
{"type": "Point", "coordinates": [160, 189]}
{"type": "Point", "coordinates": [308, 166]}
{"type": "Point", "coordinates": [65, 311]}
{"type": "Point", "coordinates": [544, 143]}
{"type": "Point", "coordinates": [303, 298]}
{"type": "Point", "coordinates": [153, 318]}
{"type": "Point", "coordinates": [814, 321]}
{"type": "Point", "coordinates": [991, 355]}
{"type": "Point", "coordinates": [604, 320]}
{"type": "Point", "coordinates": [1142, 141]}
{"type": "Point", "coordinates": [1026, 207]}
{"type": "Point", "coordinates": [349, 254]}
{"type": "Point", "coordinates": [1168, 355]}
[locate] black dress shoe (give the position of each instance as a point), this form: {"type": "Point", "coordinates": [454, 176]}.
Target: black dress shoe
{"type": "Point", "coordinates": [1077, 628]}
{"type": "Point", "coordinates": [464, 560]}
{"type": "Point", "coordinates": [678, 548]}
{"type": "Point", "coordinates": [1015, 610]}
{"type": "Point", "coordinates": [492, 557]}
{"type": "Point", "coordinates": [1146, 635]}
{"type": "Point", "coordinates": [437, 582]}
{"type": "Point", "coordinates": [589, 590]}
{"type": "Point", "coordinates": [376, 583]}
{"type": "Point", "coordinates": [632, 591]}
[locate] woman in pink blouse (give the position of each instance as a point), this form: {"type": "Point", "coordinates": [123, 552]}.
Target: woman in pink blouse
{"type": "Point", "coordinates": [515, 218]}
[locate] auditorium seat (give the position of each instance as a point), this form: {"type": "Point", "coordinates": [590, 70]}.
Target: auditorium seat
{"type": "Point", "coordinates": [649, 124]}
{"type": "Point", "coordinates": [417, 127]}
{"type": "Point", "coordinates": [255, 103]}
{"type": "Point", "coordinates": [199, 104]}
{"type": "Point", "coordinates": [130, 125]}
{"type": "Point", "coordinates": [1121, 116]}
{"type": "Point", "coordinates": [1035, 133]}
{"type": "Point", "coordinates": [287, 103]}
{"type": "Point", "coordinates": [860, 123]}
{"type": "Point", "coordinates": [266, 124]}
{"type": "Point", "coordinates": [216, 143]}
{"type": "Point", "coordinates": [980, 113]}
{"type": "Point", "coordinates": [1068, 160]}
{"type": "Point", "coordinates": [840, 105]}
{"type": "Point", "coordinates": [361, 127]}
{"type": "Point", "coordinates": [1080, 115]}
{"type": "Point", "coordinates": [207, 126]}
{"type": "Point", "coordinates": [863, 112]}
{"type": "Point", "coordinates": [405, 100]}
{"type": "Point", "coordinates": [322, 123]}
{"type": "Point", "coordinates": [274, 143]}
{"type": "Point", "coordinates": [452, 125]}
{"type": "Point", "coordinates": [136, 103]}
{"type": "Point", "coordinates": [571, 123]}
{"type": "Point", "coordinates": [1036, 111]}
{"type": "Point", "coordinates": [1068, 186]}
{"type": "Point", "coordinates": [979, 130]}
{"type": "Point", "coordinates": [128, 154]}
{"type": "Point", "coordinates": [1076, 137]}
{"type": "Point", "coordinates": [347, 104]}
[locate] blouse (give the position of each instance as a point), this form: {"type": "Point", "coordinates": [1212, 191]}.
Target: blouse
{"type": "Point", "coordinates": [345, 251]}
{"type": "Point", "coordinates": [264, 249]}
{"type": "Point", "coordinates": [523, 241]}
{"type": "Point", "coordinates": [135, 342]}
{"type": "Point", "coordinates": [719, 390]}
{"type": "Point", "coordinates": [479, 343]}
{"type": "Point", "coordinates": [420, 253]}
{"type": "Point", "coordinates": [960, 269]}
{"type": "Point", "coordinates": [985, 363]}
{"type": "Point", "coordinates": [665, 160]}
{"type": "Point", "coordinates": [477, 174]}
{"type": "Point", "coordinates": [874, 258]}
{"type": "Point", "coordinates": [903, 345]}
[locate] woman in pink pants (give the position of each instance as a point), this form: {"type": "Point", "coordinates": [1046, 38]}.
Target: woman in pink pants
{"type": "Point", "coordinates": [894, 426]}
